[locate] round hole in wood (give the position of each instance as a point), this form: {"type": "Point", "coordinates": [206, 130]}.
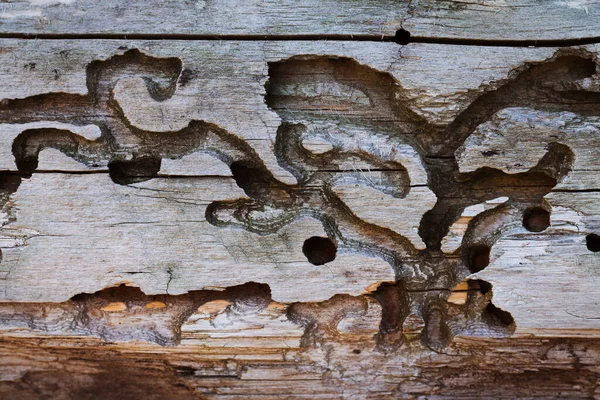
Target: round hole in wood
{"type": "Point", "coordinates": [402, 36]}
{"type": "Point", "coordinates": [319, 250]}
{"type": "Point", "coordinates": [536, 219]}
{"type": "Point", "coordinates": [592, 242]}
{"type": "Point", "coordinates": [478, 257]}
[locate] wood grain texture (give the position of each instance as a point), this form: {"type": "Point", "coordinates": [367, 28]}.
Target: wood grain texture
{"type": "Point", "coordinates": [363, 219]}
{"type": "Point", "coordinates": [557, 368]}
{"type": "Point", "coordinates": [474, 19]}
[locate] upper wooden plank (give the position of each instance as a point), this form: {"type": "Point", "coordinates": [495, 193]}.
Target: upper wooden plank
{"type": "Point", "coordinates": [470, 19]}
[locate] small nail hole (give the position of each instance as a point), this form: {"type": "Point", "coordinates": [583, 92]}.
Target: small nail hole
{"type": "Point", "coordinates": [402, 36]}
{"type": "Point", "coordinates": [536, 219]}
{"type": "Point", "coordinates": [478, 257]}
{"type": "Point", "coordinates": [319, 250]}
{"type": "Point", "coordinates": [592, 242]}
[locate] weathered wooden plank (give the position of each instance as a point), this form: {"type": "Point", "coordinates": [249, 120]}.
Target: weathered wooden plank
{"type": "Point", "coordinates": [488, 20]}
{"type": "Point", "coordinates": [234, 76]}
{"type": "Point", "coordinates": [301, 207]}
{"type": "Point", "coordinates": [476, 368]}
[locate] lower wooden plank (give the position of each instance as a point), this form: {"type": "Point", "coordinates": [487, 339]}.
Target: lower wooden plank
{"type": "Point", "coordinates": [473, 368]}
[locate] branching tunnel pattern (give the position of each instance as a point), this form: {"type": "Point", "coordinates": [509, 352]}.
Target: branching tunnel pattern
{"type": "Point", "coordinates": [354, 104]}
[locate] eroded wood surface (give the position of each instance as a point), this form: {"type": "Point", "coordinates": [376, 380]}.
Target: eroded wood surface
{"type": "Point", "coordinates": [325, 209]}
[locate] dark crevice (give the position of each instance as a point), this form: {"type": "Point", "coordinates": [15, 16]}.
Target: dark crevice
{"type": "Point", "coordinates": [507, 43]}
{"type": "Point", "coordinates": [576, 190]}
{"type": "Point", "coordinates": [251, 177]}
{"type": "Point", "coordinates": [400, 39]}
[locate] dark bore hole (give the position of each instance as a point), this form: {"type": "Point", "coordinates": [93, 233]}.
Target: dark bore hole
{"type": "Point", "coordinates": [504, 317]}
{"type": "Point", "coordinates": [252, 179]}
{"type": "Point", "coordinates": [319, 250]}
{"type": "Point", "coordinates": [536, 219]}
{"type": "Point", "coordinates": [482, 286]}
{"type": "Point", "coordinates": [478, 258]}
{"type": "Point", "coordinates": [402, 36]}
{"type": "Point", "coordinates": [27, 165]}
{"type": "Point", "coordinates": [592, 242]}
{"type": "Point", "coordinates": [138, 170]}
{"type": "Point", "coordinates": [243, 174]}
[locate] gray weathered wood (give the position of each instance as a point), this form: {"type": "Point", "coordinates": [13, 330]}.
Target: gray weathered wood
{"type": "Point", "coordinates": [473, 19]}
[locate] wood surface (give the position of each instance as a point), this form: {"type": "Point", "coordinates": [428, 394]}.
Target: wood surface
{"type": "Point", "coordinates": [257, 217]}
{"type": "Point", "coordinates": [493, 20]}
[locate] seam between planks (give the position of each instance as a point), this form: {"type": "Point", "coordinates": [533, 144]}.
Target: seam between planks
{"type": "Point", "coordinates": [402, 37]}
